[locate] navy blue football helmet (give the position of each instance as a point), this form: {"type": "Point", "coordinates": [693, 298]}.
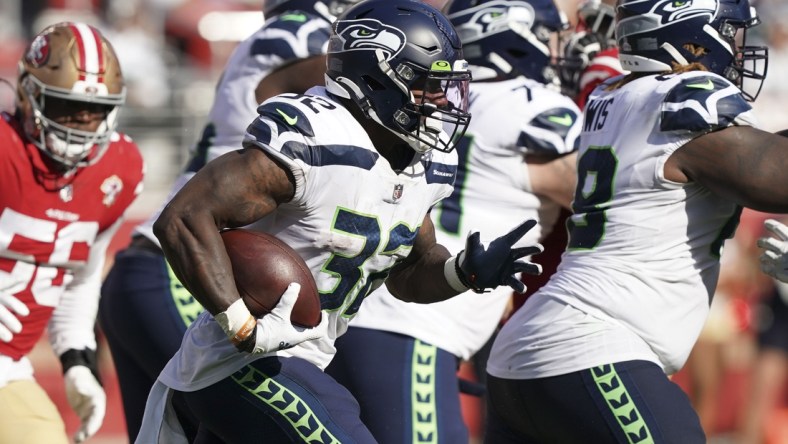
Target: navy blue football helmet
{"type": "Point", "coordinates": [328, 9]}
{"type": "Point", "coordinates": [509, 38]}
{"type": "Point", "coordinates": [655, 35]}
{"type": "Point", "coordinates": [401, 62]}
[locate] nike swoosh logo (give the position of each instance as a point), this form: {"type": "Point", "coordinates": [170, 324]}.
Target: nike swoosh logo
{"type": "Point", "coordinates": [708, 86]}
{"type": "Point", "coordinates": [294, 17]}
{"type": "Point", "coordinates": [288, 119]}
{"type": "Point", "coordinates": [565, 120]}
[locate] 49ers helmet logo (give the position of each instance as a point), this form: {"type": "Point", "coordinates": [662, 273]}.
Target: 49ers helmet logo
{"type": "Point", "coordinates": [38, 53]}
{"type": "Point", "coordinates": [367, 34]}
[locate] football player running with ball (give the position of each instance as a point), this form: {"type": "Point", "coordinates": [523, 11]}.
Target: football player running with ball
{"type": "Point", "coordinates": [346, 175]}
{"type": "Point", "coordinates": [144, 309]}
{"type": "Point", "coordinates": [517, 162]}
{"type": "Point", "coordinates": [668, 158]}
{"type": "Point", "coordinates": [67, 179]}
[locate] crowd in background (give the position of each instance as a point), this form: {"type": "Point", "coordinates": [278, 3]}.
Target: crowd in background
{"type": "Point", "coordinates": [172, 52]}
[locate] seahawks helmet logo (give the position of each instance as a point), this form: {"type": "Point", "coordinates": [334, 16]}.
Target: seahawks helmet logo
{"type": "Point", "coordinates": [491, 18]}
{"type": "Point", "coordinates": [676, 10]}
{"type": "Point", "coordinates": [367, 34]}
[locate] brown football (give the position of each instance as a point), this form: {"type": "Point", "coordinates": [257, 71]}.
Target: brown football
{"type": "Point", "coordinates": [263, 267]}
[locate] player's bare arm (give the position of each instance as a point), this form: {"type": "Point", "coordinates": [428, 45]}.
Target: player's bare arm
{"type": "Point", "coordinates": [549, 177]}
{"type": "Point", "coordinates": [419, 278]}
{"type": "Point", "coordinates": [296, 77]}
{"type": "Point", "coordinates": [429, 272]}
{"type": "Point", "coordinates": [236, 189]}
{"type": "Point", "coordinates": [740, 163]}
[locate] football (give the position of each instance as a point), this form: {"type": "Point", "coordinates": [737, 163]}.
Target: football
{"type": "Point", "coordinates": [263, 267]}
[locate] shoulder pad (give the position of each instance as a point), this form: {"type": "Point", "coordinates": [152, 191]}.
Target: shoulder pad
{"type": "Point", "coordinates": [558, 121]}
{"type": "Point", "coordinates": [285, 34]}
{"type": "Point", "coordinates": [286, 116]}
{"type": "Point", "coordinates": [296, 138]}
{"type": "Point", "coordinates": [702, 103]}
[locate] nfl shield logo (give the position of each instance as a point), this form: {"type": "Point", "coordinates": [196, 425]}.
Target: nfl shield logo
{"type": "Point", "coordinates": [67, 193]}
{"type": "Point", "coordinates": [395, 196]}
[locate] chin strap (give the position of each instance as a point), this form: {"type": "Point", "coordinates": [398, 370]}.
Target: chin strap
{"type": "Point", "coordinates": [675, 54]}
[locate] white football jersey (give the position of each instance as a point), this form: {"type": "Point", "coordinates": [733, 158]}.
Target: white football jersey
{"type": "Point", "coordinates": [509, 119]}
{"type": "Point", "coordinates": [351, 219]}
{"type": "Point", "coordinates": [642, 262]}
{"type": "Point", "coordinates": [281, 40]}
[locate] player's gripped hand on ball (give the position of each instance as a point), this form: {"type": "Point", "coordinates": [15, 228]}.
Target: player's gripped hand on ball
{"type": "Point", "coordinates": [274, 331]}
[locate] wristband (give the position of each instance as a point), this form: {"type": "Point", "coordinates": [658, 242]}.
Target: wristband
{"type": "Point", "coordinates": [85, 357]}
{"type": "Point", "coordinates": [245, 331]}
{"type": "Point", "coordinates": [450, 271]}
{"type": "Point", "coordinates": [236, 322]}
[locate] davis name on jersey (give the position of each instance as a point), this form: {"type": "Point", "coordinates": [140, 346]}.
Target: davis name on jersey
{"type": "Point", "coordinates": [622, 195]}
{"type": "Point", "coordinates": [351, 218]}
{"type": "Point", "coordinates": [46, 234]}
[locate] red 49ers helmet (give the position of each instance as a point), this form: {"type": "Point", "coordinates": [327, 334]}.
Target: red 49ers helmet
{"type": "Point", "coordinates": [69, 65]}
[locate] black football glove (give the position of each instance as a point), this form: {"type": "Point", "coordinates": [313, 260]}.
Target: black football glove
{"type": "Point", "coordinates": [482, 269]}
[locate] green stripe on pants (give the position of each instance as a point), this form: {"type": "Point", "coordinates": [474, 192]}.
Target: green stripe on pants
{"type": "Point", "coordinates": [187, 306]}
{"type": "Point", "coordinates": [425, 417]}
{"type": "Point", "coordinates": [620, 403]}
{"type": "Point", "coordinates": [287, 403]}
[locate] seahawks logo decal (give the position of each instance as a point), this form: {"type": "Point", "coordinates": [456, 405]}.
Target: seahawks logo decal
{"type": "Point", "coordinates": [367, 34]}
{"type": "Point", "coordinates": [491, 18]}
{"type": "Point", "coordinates": [676, 10]}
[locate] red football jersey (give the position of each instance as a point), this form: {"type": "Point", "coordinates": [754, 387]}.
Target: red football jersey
{"type": "Point", "coordinates": [46, 234]}
{"type": "Point", "coordinates": [602, 67]}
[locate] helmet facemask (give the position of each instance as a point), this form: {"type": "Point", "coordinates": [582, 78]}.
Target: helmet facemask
{"type": "Point", "coordinates": [70, 147]}
{"type": "Point", "coordinates": [750, 63]}
{"type": "Point", "coordinates": [579, 50]}
{"type": "Point", "coordinates": [436, 113]}
{"type": "Point", "coordinates": [597, 17]}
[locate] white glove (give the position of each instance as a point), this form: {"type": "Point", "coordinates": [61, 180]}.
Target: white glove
{"type": "Point", "coordinates": [774, 259]}
{"type": "Point", "coordinates": [88, 400]}
{"type": "Point", "coordinates": [273, 331]}
{"type": "Point", "coordinates": [10, 310]}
